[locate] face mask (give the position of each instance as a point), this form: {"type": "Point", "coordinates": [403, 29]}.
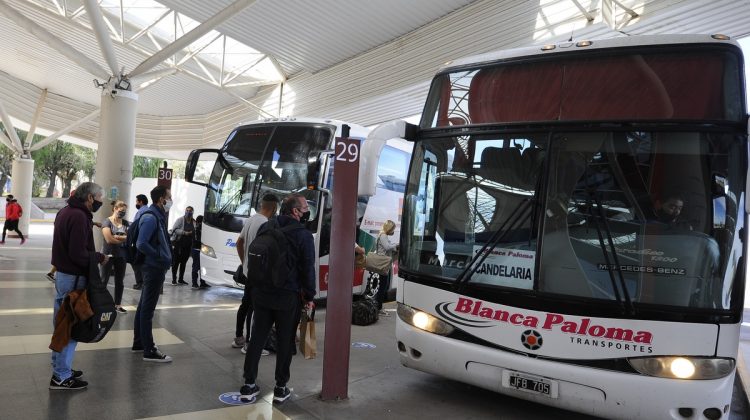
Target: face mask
{"type": "Point", "coordinates": [304, 217]}
{"type": "Point", "coordinates": [188, 214]}
{"type": "Point", "coordinates": [167, 205]}
{"type": "Point", "coordinates": [121, 214]}
{"type": "Point", "coordinates": [137, 206]}
{"type": "Point", "coordinates": [96, 206]}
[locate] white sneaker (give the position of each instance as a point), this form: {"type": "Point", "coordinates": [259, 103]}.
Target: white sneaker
{"type": "Point", "coordinates": [264, 352]}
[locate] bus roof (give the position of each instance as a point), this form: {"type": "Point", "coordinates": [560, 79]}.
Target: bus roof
{"type": "Point", "coordinates": [356, 130]}
{"type": "Point", "coordinates": [580, 44]}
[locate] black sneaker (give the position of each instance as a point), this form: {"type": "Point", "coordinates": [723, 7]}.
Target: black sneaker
{"type": "Point", "coordinates": [51, 277]}
{"type": "Point", "coordinates": [137, 286]}
{"type": "Point", "coordinates": [204, 285]}
{"type": "Point", "coordinates": [121, 310]}
{"type": "Point", "coordinates": [156, 356]}
{"type": "Point", "coordinates": [174, 282]}
{"type": "Point", "coordinates": [281, 394]}
{"type": "Point", "coordinates": [136, 349]}
{"type": "Point", "coordinates": [248, 393]}
{"type": "Point", "coordinates": [195, 286]}
{"type": "Point", "coordinates": [77, 373]}
{"type": "Point", "coordinates": [181, 282]}
{"type": "Point", "coordinates": [70, 383]}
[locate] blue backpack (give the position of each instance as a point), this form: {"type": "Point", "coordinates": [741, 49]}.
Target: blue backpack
{"type": "Point", "coordinates": [132, 254]}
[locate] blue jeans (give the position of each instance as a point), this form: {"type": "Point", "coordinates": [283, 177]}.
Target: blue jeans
{"type": "Point", "coordinates": [153, 279]}
{"type": "Point", "coordinates": [63, 361]}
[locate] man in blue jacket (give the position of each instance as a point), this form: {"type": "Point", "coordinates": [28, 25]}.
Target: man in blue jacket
{"type": "Point", "coordinates": [141, 203]}
{"type": "Point", "coordinates": [153, 242]}
{"type": "Point", "coordinates": [72, 250]}
{"type": "Point", "coordinates": [281, 305]}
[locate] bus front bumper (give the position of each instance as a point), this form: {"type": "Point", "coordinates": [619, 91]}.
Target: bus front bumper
{"type": "Point", "coordinates": [592, 391]}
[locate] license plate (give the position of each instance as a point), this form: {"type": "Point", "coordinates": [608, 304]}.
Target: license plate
{"type": "Point", "coordinates": [530, 383]}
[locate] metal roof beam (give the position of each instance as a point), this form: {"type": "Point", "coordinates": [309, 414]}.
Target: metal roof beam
{"type": "Point", "coordinates": [589, 15]}
{"type": "Point", "coordinates": [6, 141]}
{"type": "Point", "coordinates": [16, 142]}
{"type": "Point", "coordinates": [190, 37]}
{"type": "Point", "coordinates": [148, 28]}
{"type": "Point", "coordinates": [102, 35]}
{"type": "Point", "coordinates": [56, 43]}
{"type": "Point", "coordinates": [37, 114]}
{"type": "Point", "coordinates": [54, 136]}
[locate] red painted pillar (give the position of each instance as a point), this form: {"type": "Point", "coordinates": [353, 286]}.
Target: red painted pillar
{"type": "Point", "coordinates": [343, 235]}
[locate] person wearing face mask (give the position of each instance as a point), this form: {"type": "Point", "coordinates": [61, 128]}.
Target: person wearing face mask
{"type": "Point", "coordinates": [141, 204]}
{"type": "Point", "coordinates": [115, 229]}
{"type": "Point", "coordinates": [72, 250]}
{"type": "Point", "coordinates": [282, 305]}
{"type": "Point", "coordinates": [153, 243]}
{"type": "Point", "coordinates": [13, 212]}
{"type": "Point", "coordinates": [182, 241]}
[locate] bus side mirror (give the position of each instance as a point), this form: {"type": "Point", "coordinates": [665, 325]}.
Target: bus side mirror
{"type": "Point", "coordinates": [719, 185]}
{"type": "Point", "coordinates": [199, 166]}
{"type": "Point", "coordinates": [315, 166]}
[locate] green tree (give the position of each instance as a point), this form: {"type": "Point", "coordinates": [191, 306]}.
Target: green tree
{"type": "Point", "coordinates": [84, 160]}
{"type": "Point", "coordinates": [6, 163]}
{"type": "Point", "coordinates": [52, 160]}
{"type": "Point", "coordinates": [146, 167]}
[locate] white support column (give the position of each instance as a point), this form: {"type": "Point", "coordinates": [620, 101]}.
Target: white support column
{"type": "Point", "coordinates": [114, 157]}
{"type": "Point", "coordinates": [23, 175]}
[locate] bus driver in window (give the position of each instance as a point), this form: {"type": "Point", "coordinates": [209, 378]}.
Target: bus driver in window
{"type": "Point", "coordinates": [668, 209]}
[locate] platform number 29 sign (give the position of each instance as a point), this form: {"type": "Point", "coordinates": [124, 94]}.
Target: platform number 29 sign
{"type": "Point", "coordinates": [347, 152]}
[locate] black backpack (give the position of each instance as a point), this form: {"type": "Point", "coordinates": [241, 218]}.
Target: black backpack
{"type": "Point", "coordinates": [268, 255]}
{"type": "Point", "coordinates": [132, 254]}
{"type": "Point", "coordinates": [364, 312]}
{"type": "Point", "coordinates": [95, 328]}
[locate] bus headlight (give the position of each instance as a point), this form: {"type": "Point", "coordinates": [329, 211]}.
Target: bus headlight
{"type": "Point", "coordinates": [423, 320]}
{"type": "Point", "coordinates": [683, 367]}
{"type": "Point", "coordinates": [208, 251]}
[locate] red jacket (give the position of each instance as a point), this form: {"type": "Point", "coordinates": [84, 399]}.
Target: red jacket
{"type": "Point", "coordinates": [13, 211]}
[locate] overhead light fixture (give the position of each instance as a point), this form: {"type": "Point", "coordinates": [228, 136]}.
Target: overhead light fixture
{"type": "Point", "coordinates": [98, 84]}
{"type": "Point", "coordinates": [123, 84]}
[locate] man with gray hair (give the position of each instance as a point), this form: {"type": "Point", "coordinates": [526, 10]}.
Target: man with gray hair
{"type": "Point", "coordinates": [72, 250]}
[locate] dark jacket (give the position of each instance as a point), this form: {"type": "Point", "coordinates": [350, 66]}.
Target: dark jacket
{"type": "Point", "coordinates": [75, 308]}
{"type": "Point", "coordinates": [301, 259]}
{"type": "Point", "coordinates": [73, 239]}
{"type": "Point", "coordinates": [153, 238]}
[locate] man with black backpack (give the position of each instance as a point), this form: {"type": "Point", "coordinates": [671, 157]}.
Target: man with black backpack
{"type": "Point", "coordinates": [72, 251]}
{"type": "Point", "coordinates": [268, 205]}
{"type": "Point", "coordinates": [282, 257]}
{"type": "Point", "coordinates": [155, 258]}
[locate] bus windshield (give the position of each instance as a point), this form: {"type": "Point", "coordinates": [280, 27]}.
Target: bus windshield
{"type": "Point", "coordinates": [651, 215]}
{"type": "Point", "coordinates": [647, 85]}
{"type": "Point", "coordinates": [261, 159]}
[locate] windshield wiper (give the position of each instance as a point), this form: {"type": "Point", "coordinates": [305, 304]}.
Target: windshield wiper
{"type": "Point", "coordinates": [514, 219]}
{"type": "Point", "coordinates": [626, 306]}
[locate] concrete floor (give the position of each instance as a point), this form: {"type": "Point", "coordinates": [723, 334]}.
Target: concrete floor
{"type": "Point", "coordinates": [200, 324]}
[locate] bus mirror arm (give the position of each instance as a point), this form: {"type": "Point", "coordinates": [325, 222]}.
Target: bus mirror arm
{"type": "Point", "coordinates": [373, 146]}
{"type": "Point", "coordinates": [315, 169]}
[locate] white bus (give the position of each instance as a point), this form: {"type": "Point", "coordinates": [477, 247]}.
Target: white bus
{"type": "Point", "coordinates": [573, 222]}
{"type": "Point", "coordinates": [281, 156]}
